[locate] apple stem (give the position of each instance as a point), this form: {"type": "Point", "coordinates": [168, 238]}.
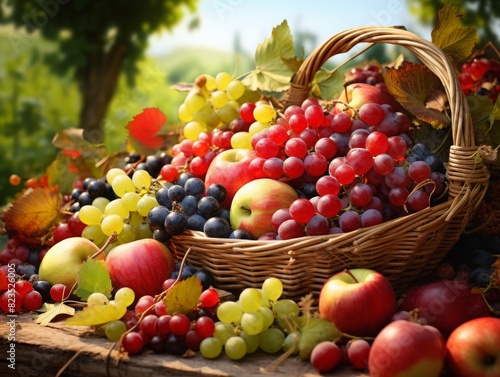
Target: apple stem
{"type": "Point", "coordinates": [348, 272]}
{"type": "Point", "coordinates": [245, 209]}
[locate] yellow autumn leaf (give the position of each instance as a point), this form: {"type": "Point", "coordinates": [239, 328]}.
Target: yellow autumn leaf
{"type": "Point", "coordinates": [184, 296]}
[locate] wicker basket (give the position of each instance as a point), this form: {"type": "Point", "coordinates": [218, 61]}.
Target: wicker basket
{"type": "Point", "coordinates": [404, 249]}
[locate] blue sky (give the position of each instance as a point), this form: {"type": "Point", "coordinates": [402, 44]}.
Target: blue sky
{"type": "Point", "coordinates": [253, 20]}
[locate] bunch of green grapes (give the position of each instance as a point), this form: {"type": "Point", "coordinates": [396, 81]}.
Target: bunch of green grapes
{"type": "Point", "coordinates": [248, 324]}
{"type": "Point", "coordinates": [212, 102]}
{"type": "Point", "coordinates": [126, 215]}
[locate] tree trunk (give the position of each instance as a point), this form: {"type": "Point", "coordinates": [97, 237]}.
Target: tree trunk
{"type": "Point", "coordinates": [98, 83]}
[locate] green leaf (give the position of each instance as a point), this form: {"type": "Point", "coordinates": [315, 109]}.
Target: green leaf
{"type": "Point", "coordinates": [98, 314]}
{"type": "Point", "coordinates": [454, 39]}
{"type": "Point", "coordinates": [327, 84]}
{"type": "Point", "coordinates": [184, 296]}
{"type": "Point", "coordinates": [273, 61]}
{"type": "Point", "coordinates": [52, 311]}
{"type": "Point", "coordinates": [412, 85]}
{"type": "Point", "coordinates": [315, 330]}
{"type": "Point", "coordinates": [93, 277]}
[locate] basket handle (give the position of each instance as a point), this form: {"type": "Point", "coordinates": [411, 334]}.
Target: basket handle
{"type": "Point", "coordinates": [432, 56]}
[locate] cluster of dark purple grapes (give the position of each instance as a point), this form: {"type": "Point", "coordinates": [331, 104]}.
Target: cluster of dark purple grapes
{"type": "Point", "coordinates": [187, 205]}
{"type": "Point", "coordinates": [471, 260]}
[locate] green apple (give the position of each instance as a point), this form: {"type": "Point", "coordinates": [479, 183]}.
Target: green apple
{"type": "Point", "coordinates": [62, 261]}
{"type": "Point", "coordinates": [255, 202]}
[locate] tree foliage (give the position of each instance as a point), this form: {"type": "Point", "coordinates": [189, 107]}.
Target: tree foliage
{"type": "Point", "coordinates": [484, 15]}
{"type": "Point", "coordinates": [97, 40]}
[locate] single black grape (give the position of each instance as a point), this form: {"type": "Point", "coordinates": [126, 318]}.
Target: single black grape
{"type": "Point", "coordinates": [43, 287]}
{"type": "Point", "coordinates": [132, 158]}
{"type": "Point", "coordinates": [309, 190]}
{"type": "Point", "coordinates": [158, 344]}
{"type": "Point", "coordinates": [26, 270]}
{"type": "Point", "coordinates": [154, 165]}
{"type": "Point", "coordinates": [240, 234]}
{"type": "Point", "coordinates": [435, 163]}
{"type": "Point", "coordinates": [175, 344]}
{"type": "Point", "coordinates": [156, 217]}
{"type": "Point", "coordinates": [75, 207]}
{"type": "Point", "coordinates": [217, 227]}
{"type": "Point", "coordinates": [196, 222]}
{"type": "Point", "coordinates": [161, 235]}
{"type": "Point", "coordinates": [420, 150]}
{"type": "Point", "coordinates": [176, 193]}
{"type": "Point", "coordinates": [195, 187]}
{"type": "Point", "coordinates": [85, 199]}
{"type": "Point", "coordinates": [163, 199]}
{"type": "Point", "coordinates": [208, 207]}
{"type": "Point", "coordinates": [189, 205]}
{"type": "Point", "coordinates": [224, 213]}
{"type": "Point", "coordinates": [218, 191]}
{"type": "Point", "coordinates": [183, 177]}
{"type": "Point", "coordinates": [176, 223]}
{"type": "Point", "coordinates": [481, 275]}
{"type": "Point", "coordinates": [86, 182]}
{"type": "Point", "coordinates": [75, 193]}
{"type": "Point", "coordinates": [205, 277]}
{"type": "Point", "coordinates": [97, 189]}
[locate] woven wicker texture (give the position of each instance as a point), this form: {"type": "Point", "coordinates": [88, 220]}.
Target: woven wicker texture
{"type": "Point", "coordinates": [405, 249]}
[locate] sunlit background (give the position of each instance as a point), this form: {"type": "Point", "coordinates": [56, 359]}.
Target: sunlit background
{"type": "Point", "coordinates": [38, 98]}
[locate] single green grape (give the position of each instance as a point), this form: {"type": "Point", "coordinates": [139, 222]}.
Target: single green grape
{"type": "Point", "coordinates": [125, 295]}
{"type": "Point", "coordinates": [90, 215]}
{"type": "Point", "coordinates": [210, 348]}
{"type": "Point", "coordinates": [235, 348]}
{"type": "Point", "coordinates": [114, 330]}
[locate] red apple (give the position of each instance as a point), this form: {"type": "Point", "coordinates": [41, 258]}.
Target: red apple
{"type": "Point", "coordinates": [445, 304]}
{"type": "Point", "coordinates": [142, 265]}
{"type": "Point", "coordinates": [230, 169]}
{"type": "Point", "coordinates": [63, 260]}
{"type": "Point", "coordinates": [255, 202]}
{"type": "Point", "coordinates": [359, 301]}
{"type": "Point", "coordinates": [360, 93]}
{"type": "Point", "coordinates": [473, 348]}
{"type": "Point", "coordinates": [407, 349]}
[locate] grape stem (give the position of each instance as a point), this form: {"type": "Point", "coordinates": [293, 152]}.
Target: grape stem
{"type": "Point", "coordinates": [354, 337]}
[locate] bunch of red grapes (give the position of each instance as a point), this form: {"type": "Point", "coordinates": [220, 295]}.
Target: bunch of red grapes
{"type": "Point", "coordinates": [481, 76]}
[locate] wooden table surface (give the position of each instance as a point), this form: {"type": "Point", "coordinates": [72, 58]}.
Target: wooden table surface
{"type": "Point", "coordinates": [44, 352]}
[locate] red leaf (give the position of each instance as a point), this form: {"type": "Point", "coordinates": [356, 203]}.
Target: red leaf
{"type": "Point", "coordinates": [146, 125]}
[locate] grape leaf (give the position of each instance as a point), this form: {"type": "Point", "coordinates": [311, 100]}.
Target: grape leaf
{"type": "Point", "coordinates": [327, 84]}
{"type": "Point", "coordinates": [184, 296]}
{"type": "Point", "coordinates": [272, 62]}
{"type": "Point", "coordinates": [93, 277]}
{"type": "Point", "coordinates": [313, 331]}
{"type": "Point", "coordinates": [98, 314]}
{"type": "Point", "coordinates": [52, 311]}
{"type": "Point", "coordinates": [412, 85]}
{"type": "Point", "coordinates": [456, 40]}
{"type": "Point", "coordinates": [143, 131]}
{"type": "Point", "coordinates": [33, 214]}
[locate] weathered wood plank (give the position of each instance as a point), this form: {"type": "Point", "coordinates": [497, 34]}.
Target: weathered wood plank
{"type": "Point", "coordinates": [43, 351]}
